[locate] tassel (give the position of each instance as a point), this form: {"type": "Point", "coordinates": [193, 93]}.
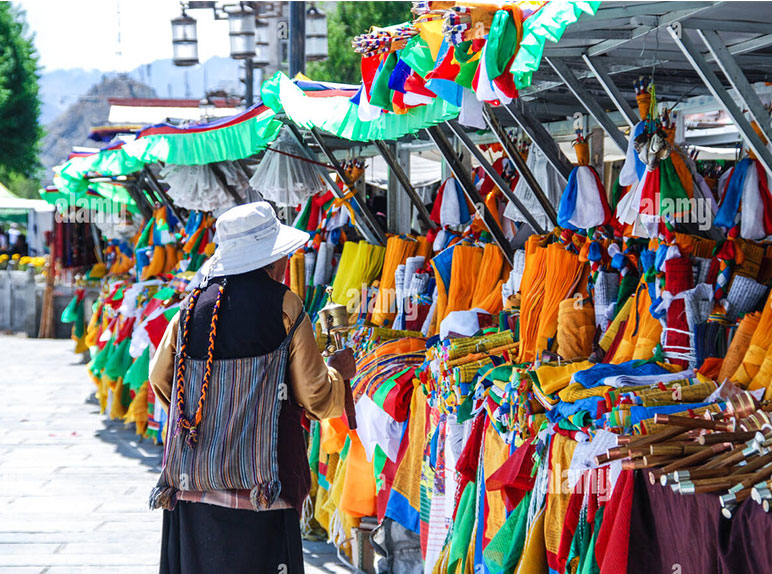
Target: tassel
{"type": "Point", "coordinates": [263, 496]}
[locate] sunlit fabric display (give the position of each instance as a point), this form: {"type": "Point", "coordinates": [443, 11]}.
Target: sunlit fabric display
{"type": "Point", "coordinates": [196, 187]}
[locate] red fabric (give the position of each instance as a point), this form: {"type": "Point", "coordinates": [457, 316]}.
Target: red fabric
{"type": "Point", "coordinates": [513, 478]}
{"type": "Point", "coordinates": [603, 200]}
{"type": "Point", "coordinates": [125, 330]}
{"type": "Point", "coordinates": [470, 457]}
{"type": "Point", "coordinates": [369, 68]}
{"type": "Point", "coordinates": [506, 81]}
{"type": "Point", "coordinates": [397, 402]}
{"type": "Point", "coordinates": [417, 85]}
{"type": "Point", "coordinates": [435, 214]}
{"type": "Point", "coordinates": [611, 546]}
{"type": "Point", "coordinates": [570, 523]}
{"type": "Point", "coordinates": [615, 343]}
{"type": "Point", "coordinates": [317, 201]}
{"type": "Point", "coordinates": [156, 328]}
{"type": "Point", "coordinates": [678, 277]}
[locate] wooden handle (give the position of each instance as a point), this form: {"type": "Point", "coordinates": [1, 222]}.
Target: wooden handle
{"type": "Point", "coordinates": [694, 423]}
{"type": "Point", "coordinates": [351, 417]}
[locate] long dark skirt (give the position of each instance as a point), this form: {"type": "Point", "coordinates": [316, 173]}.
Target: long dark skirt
{"type": "Point", "coordinates": [203, 538]}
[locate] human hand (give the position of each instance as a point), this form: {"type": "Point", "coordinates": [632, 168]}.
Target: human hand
{"type": "Point", "coordinates": [343, 362]}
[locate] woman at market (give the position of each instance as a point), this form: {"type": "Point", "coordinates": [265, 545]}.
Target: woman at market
{"type": "Point", "coordinates": [239, 366]}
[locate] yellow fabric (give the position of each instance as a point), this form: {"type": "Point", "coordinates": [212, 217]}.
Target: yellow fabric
{"type": "Point", "coordinates": [102, 393]}
{"type": "Point", "coordinates": [431, 33]}
{"type": "Point", "coordinates": [137, 411]}
{"type": "Point", "coordinates": [532, 297]}
{"type": "Point", "coordinates": [407, 479]}
{"type": "Point", "coordinates": [80, 343]}
{"type": "Point", "coordinates": [397, 251]}
{"type": "Point", "coordinates": [298, 275]}
{"type": "Point", "coordinates": [488, 280]}
{"type": "Point", "coordinates": [565, 271]}
{"type": "Point", "coordinates": [553, 378]}
{"type": "Point", "coordinates": [576, 329]}
{"type": "Point", "coordinates": [613, 328]}
{"type": "Point", "coordinates": [757, 349]}
{"type": "Point", "coordinates": [495, 454]}
{"type": "Point", "coordinates": [360, 264]}
{"type": "Point", "coordinates": [117, 410]}
{"type": "Point", "coordinates": [463, 275]}
{"type": "Point", "coordinates": [561, 452]}
{"type": "Point", "coordinates": [575, 392]}
{"type": "Point", "coordinates": [534, 557]}
{"type": "Point", "coordinates": [640, 325]}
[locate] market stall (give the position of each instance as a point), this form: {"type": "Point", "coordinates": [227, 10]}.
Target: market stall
{"type": "Point", "coordinates": [555, 363]}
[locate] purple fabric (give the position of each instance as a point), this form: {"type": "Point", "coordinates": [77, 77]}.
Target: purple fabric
{"type": "Point", "coordinates": [668, 529]}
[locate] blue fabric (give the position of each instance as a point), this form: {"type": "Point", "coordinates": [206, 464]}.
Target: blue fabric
{"type": "Point", "coordinates": [734, 191]}
{"type": "Point", "coordinates": [399, 510]}
{"type": "Point", "coordinates": [399, 76]}
{"type": "Point", "coordinates": [638, 414]}
{"type": "Point", "coordinates": [640, 167]}
{"type": "Point", "coordinates": [568, 201]}
{"type": "Point", "coordinates": [565, 410]}
{"type": "Point", "coordinates": [443, 261]}
{"type": "Point", "coordinates": [356, 97]}
{"type": "Point", "coordinates": [594, 376]}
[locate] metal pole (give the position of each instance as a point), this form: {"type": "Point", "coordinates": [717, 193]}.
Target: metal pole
{"type": "Point", "coordinates": [404, 180]}
{"type": "Point", "coordinates": [297, 38]}
{"type": "Point", "coordinates": [249, 80]}
{"type": "Point", "coordinates": [713, 84]}
{"type": "Point", "coordinates": [159, 191]}
{"type": "Point", "coordinates": [612, 90]}
{"type": "Point", "coordinates": [539, 135]}
{"type": "Point", "coordinates": [135, 192]}
{"type": "Point", "coordinates": [737, 79]}
{"type": "Point", "coordinates": [589, 102]}
{"type": "Point", "coordinates": [220, 177]}
{"type": "Point", "coordinates": [493, 174]}
{"type": "Point", "coordinates": [520, 164]}
{"type": "Point", "coordinates": [371, 231]}
{"type": "Point", "coordinates": [465, 181]}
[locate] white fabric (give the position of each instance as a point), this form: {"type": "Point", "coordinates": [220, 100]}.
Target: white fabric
{"type": "Point", "coordinates": [323, 269]}
{"type": "Point", "coordinates": [752, 207]}
{"type": "Point", "coordinates": [376, 427]}
{"type": "Point", "coordinates": [588, 211]}
{"type": "Point", "coordinates": [471, 112]}
{"type": "Point", "coordinates": [195, 187]}
{"type": "Point", "coordinates": [552, 183]}
{"type": "Point", "coordinates": [365, 111]}
{"type": "Point", "coordinates": [462, 323]}
{"type": "Point", "coordinates": [628, 175]}
{"type": "Point", "coordinates": [287, 180]}
{"type": "Point", "coordinates": [250, 236]}
{"type": "Point", "coordinates": [618, 381]}
{"type": "Point", "coordinates": [450, 208]}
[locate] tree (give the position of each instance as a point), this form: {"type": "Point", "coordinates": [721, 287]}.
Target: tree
{"type": "Point", "coordinates": [344, 21]}
{"type": "Point", "coordinates": [20, 131]}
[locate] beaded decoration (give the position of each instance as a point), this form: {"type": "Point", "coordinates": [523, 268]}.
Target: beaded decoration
{"type": "Point", "coordinates": [183, 423]}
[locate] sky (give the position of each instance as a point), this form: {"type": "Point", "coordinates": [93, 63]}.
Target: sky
{"type": "Point", "coordinates": [84, 33]}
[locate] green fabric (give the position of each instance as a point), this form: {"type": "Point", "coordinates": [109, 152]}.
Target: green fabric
{"type": "Point", "coordinates": [587, 563]}
{"type": "Point", "coordinates": [418, 56]}
{"type": "Point", "coordinates": [379, 463]}
{"type": "Point", "coordinates": [108, 163]}
{"type": "Point", "coordinates": [164, 293]}
{"type": "Point", "coordinates": [548, 23]}
{"type": "Point", "coordinates": [73, 313]}
{"type": "Point", "coordinates": [233, 142]}
{"type": "Point", "coordinates": [503, 552]}
{"type": "Point", "coordinates": [119, 361]}
{"type": "Point", "coordinates": [671, 193]}
{"type": "Point", "coordinates": [463, 526]}
{"type": "Point", "coordinates": [97, 365]}
{"type": "Point", "coordinates": [139, 371]}
{"type": "Point", "coordinates": [380, 94]}
{"type": "Point", "coordinates": [338, 116]}
{"type": "Point", "coordinates": [502, 41]}
{"type": "Point", "coordinates": [314, 448]}
{"type": "Point", "coordinates": [466, 68]}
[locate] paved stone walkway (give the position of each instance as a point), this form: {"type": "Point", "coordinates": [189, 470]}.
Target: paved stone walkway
{"type": "Point", "coordinates": [73, 485]}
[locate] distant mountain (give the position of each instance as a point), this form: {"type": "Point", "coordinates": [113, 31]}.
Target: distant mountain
{"type": "Point", "coordinates": [62, 88]}
{"type": "Point", "coordinates": [72, 126]}
{"type": "Point", "coordinates": [76, 100]}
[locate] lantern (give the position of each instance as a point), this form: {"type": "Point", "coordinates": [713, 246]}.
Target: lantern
{"type": "Point", "coordinates": [262, 34]}
{"type": "Point", "coordinates": [184, 41]}
{"type": "Point", "coordinates": [316, 34]}
{"type": "Point", "coordinates": [242, 34]}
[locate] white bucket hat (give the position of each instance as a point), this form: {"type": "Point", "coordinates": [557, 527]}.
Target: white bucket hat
{"type": "Point", "coordinates": [249, 237]}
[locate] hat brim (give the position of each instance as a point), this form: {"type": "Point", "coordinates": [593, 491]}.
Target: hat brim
{"type": "Point", "coordinates": [248, 255]}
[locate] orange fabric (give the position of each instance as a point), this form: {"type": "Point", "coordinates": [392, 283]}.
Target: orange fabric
{"type": "Point", "coordinates": [359, 494]}
{"type": "Point", "coordinates": [565, 272]}
{"type": "Point", "coordinates": [463, 275]}
{"type": "Point", "coordinates": [739, 346]}
{"type": "Point", "coordinates": [532, 297]}
{"type": "Point", "coordinates": [490, 272]}
{"type": "Point", "coordinates": [334, 432]}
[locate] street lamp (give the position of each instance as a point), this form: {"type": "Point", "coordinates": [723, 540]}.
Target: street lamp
{"type": "Point", "coordinates": [262, 37]}
{"type": "Point", "coordinates": [184, 41]}
{"type": "Point", "coordinates": [242, 34]}
{"type": "Point", "coordinates": [316, 34]}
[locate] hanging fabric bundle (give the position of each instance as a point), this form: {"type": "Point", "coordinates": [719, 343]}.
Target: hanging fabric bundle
{"type": "Point", "coordinates": [757, 349]}
{"type": "Point", "coordinates": [532, 297]}
{"type": "Point", "coordinates": [285, 176]}
{"type": "Point", "coordinates": [746, 201]}
{"type": "Point", "coordinates": [551, 182]}
{"type": "Point", "coordinates": [397, 251]}
{"type": "Point", "coordinates": [566, 271]}
{"type": "Point", "coordinates": [583, 204]}
{"type": "Point", "coordinates": [196, 187]}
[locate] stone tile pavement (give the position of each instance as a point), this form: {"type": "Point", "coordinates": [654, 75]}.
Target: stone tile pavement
{"type": "Point", "coordinates": [74, 485]}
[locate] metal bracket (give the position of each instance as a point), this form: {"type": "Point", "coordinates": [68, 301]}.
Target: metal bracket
{"type": "Point", "coordinates": [612, 90]}
{"type": "Point", "coordinates": [737, 79]}
{"type": "Point", "coordinates": [713, 84]}
{"type": "Point", "coordinates": [589, 102]}
{"type": "Point", "coordinates": [467, 185]}
{"type": "Point", "coordinates": [540, 137]}
{"type": "Point", "coordinates": [493, 174]}
{"type": "Point", "coordinates": [404, 180]}
{"type": "Point", "coordinates": [520, 164]}
{"type": "Point", "coordinates": [372, 231]}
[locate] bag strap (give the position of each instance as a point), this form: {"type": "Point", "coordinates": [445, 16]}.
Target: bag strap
{"type": "Point", "coordinates": [292, 330]}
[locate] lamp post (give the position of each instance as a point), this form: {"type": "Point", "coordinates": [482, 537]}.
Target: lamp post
{"type": "Point", "coordinates": [297, 38]}
{"type": "Point", "coordinates": [241, 24]}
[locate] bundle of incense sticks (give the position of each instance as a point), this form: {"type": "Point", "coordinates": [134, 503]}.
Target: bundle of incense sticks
{"type": "Point", "coordinates": [728, 456]}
